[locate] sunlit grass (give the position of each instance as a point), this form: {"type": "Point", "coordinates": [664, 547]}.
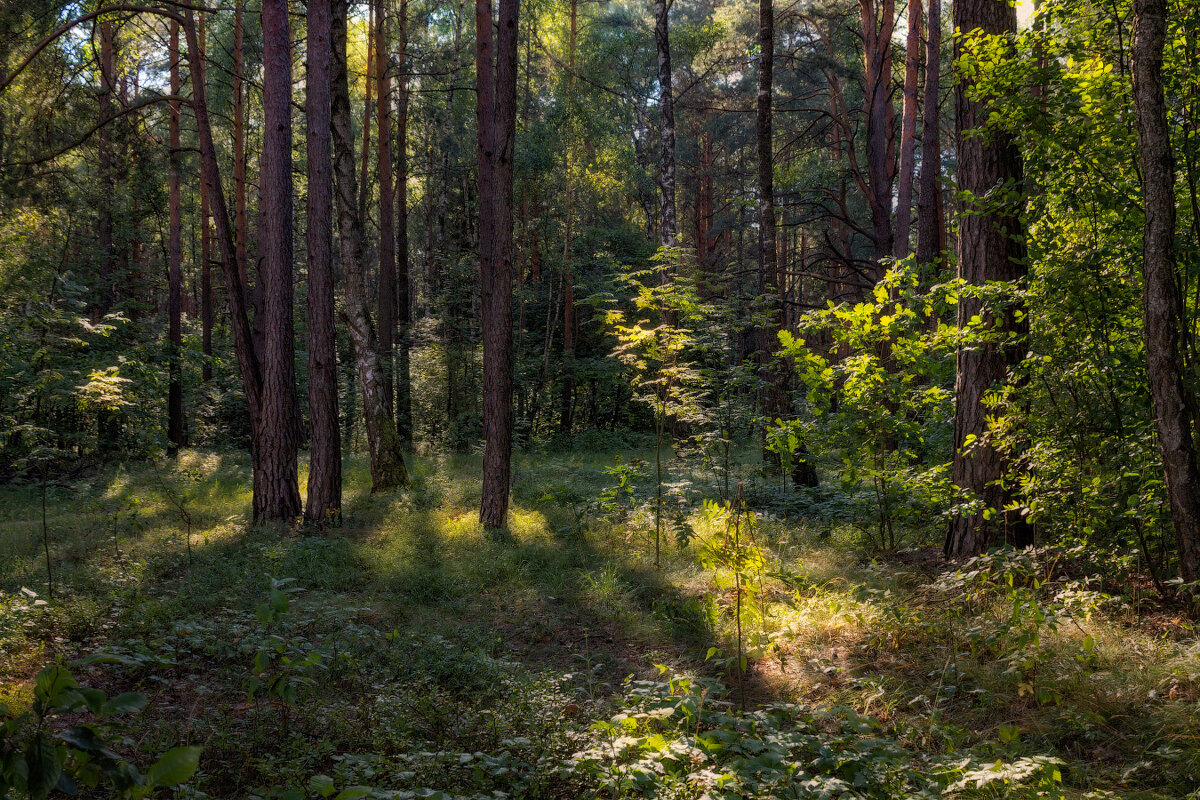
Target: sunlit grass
{"type": "Point", "coordinates": [564, 587]}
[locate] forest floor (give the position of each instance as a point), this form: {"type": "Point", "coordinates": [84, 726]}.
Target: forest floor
{"type": "Point", "coordinates": [412, 654]}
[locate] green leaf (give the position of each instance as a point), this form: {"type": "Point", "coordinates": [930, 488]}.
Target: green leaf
{"type": "Point", "coordinates": [51, 684]}
{"type": "Point", "coordinates": [83, 737]}
{"type": "Point", "coordinates": [354, 792]}
{"type": "Point", "coordinates": [45, 766]}
{"type": "Point", "coordinates": [127, 703]}
{"type": "Point", "coordinates": [322, 785]}
{"type": "Point", "coordinates": [175, 767]}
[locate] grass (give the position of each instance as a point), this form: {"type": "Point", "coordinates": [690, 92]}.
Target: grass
{"type": "Point", "coordinates": [419, 652]}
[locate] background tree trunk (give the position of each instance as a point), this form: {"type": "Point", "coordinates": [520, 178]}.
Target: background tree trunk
{"type": "Point", "coordinates": [383, 445]}
{"type": "Point", "coordinates": [106, 165]}
{"type": "Point", "coordinates": [276, 495]}
{"type": "Point", "coordinates": [908, 130]}
{"type": "Point", "coordinates": [404, 420]}
{"type": "Point", "coordinates": [878, 22]}
{"type": "Point", "coordinates": [931, 225]}
{"type": "Point", "coordinates": [991, 247]}
{"type": "Point", "coordinates": [325, 451]}
{"type": "Point", "coordinates": [206, 297]}
{"type": "Point", "coordinates": [668, 226]}
{"type": "Point", "coordinates": [567, 397]}
{"type": "Point", "coordinates": [386, 297]}
{"type": "Point", "coordinates": [248, 366]}
{"type": "Point", "coordinates": [496, 114]}
{"type": "Point", "coordinates": [1163, 304]}
{"type": "Point", "coordinates": [175, 434]}
{"type": "Point", "coordinates": [241, 220]}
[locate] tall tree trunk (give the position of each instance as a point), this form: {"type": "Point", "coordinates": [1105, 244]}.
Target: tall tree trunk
{"type": "Point", "coordinates": [387, 232]}
{"type": "Point", "coordinates": [991, 247]}
{"type": "Point", "coordinates": [175, 434]}
{"type": "Point", "coordinates": [668, 227]}
{"type": "Point", "coordinates": [107, 165]}
{"type": "Point", "coordinates": [243, 344]}
{"type": "Point", "coordinates": [241, 220]}
{"type": "Point", "coordinates": [276, 495]}
{"type": "Point", "coordinates": [1173, 404]}
{"type": "Point", "coordinates": [931, 225]}
{"type": "Point", "coordinates": [383, 445]}
{"type": "Point", "coordinates": [206, 296]}
{"type": "Point", "coordinates": [908, 130]}
{"type": "Point", "coordinates": [774, 396]}
{"type": "Point", "coordinates": [566, 399]}
{"type": "Point", "coordinates": [364, 156]}
{"type": "Point", "coordinates": [878, 22]}
{"type": "Point", "coordinates": [496, 116]}
{"type": "Point", "coordinates": [325, 451]}
{"type": "Point", "coordinates": [404, 420]}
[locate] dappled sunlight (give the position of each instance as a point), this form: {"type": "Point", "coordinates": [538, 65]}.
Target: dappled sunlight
{"type": "Point", "coordinates": [414, 587]}
{"type": "Point", "coordinates": [529, 526]}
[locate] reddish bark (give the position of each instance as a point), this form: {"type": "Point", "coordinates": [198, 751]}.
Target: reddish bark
{"type": "Point", "coordinates": [241, 224]}
{"type": "Point", "coordinates": [276, 492]}
{"type": "Point", "coordinates": [386, 296]}
{"type": "Point", "coordinates": [496, 79]}
{"type": "Point", "coordinates": [107, 165]}
{"type": "Point", "coordinates": [567, 397]}
{"type": "Point", "coordinates": [908, 130]}
{"type": "Point", "coordinates": [668, 226]}
{"type": "Point", "coordinates": [383, 446]}
{"type": "Point", "coordinates": [991, 247]}
{"type": "Point", "coordinates": [175, 434]}
{"type": "Point", "coordinates": [878, 22]}
{"type": "Point", "coordinates": [1164, 312]}
{"type": "Point", "coordinates": [206, 296]}
{"type": "Point", "coordinates": [325, 451]}
{"type": "Point", "coordinates": [931, 223]}
{"type": "Point", "coordinates": [404, 421]}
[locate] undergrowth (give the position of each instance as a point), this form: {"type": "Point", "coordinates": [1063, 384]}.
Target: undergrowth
{"type": "Point", "coordinates": [409, 654]}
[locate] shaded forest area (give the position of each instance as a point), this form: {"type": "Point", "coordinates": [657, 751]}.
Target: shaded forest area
{"type": "Point", "coordinates": [584, 398]}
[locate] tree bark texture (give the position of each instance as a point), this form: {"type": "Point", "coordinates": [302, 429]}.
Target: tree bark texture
{"type": "Point", "coordinates": [243, 345]}
{"type": "Point", "coordinates": [175, 432]}
{"type": "Point", "coordinates": [107, 165]}
{"type": "Point", "coordinates": [383, 445]}
{"type": "Point", "coordinates": [404, 420]}
{"type": "Point", "coordinates": [931, 224]}
{"type": "Point", "coordinates": [878, 22]}
{"type": "Point", "coordinates": [276, 492]}
{"type": "Point", "coordinates": [908, 130]}
{"type": "Point", "coordinates": [206, 291]}
{"type": "Point", "coordinates": [386, 295]}
{"type": "Point", "coordinates": [567, 396]}
{"type": "Point", "coordinates": [325, 450]}
{"type": "Point", "coordinates": [241, 219]}
{"type": "Point", "coordinates": [496, 78]}
{"type": "Point", "coordinates": [1163, 304]}
{"type": "Point", "coordinates": [668, 226]}
{"type": "Point", "coordinates": [991, 247]}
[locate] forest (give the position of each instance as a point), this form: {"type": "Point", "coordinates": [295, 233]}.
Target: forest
{"type": "Point", "coordinates": [679, 399]}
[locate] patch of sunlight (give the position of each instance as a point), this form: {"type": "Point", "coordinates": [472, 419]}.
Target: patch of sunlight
{"type": "Point", "coordinates": [825, 613]}
{"type": "Point", "coordinates": [528, 526]}
{"type": "Point", "coordinates": [17, 697]}
{"type": "Point", "coordinates": [462, 524]}
{"type": "Point", "coordinates": [205, 462]}
{"type": "Point", "coordinates": [117, 486]}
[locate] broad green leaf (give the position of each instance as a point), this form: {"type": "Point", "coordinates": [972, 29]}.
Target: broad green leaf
{"type": "Point", "coordinates": [176, 766]}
